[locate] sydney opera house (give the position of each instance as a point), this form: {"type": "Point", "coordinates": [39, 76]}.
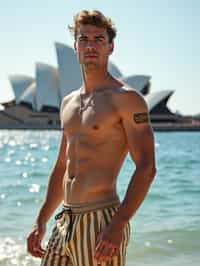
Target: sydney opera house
{"type": "Point", "coordinates": [37, 99]}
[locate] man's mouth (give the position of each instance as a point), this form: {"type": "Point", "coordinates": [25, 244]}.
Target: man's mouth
{"type": "Point", "coordinates": [91, 56]}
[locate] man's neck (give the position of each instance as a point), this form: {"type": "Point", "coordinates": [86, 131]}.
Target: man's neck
{"type": "Point", "coordinates": [95, 79]}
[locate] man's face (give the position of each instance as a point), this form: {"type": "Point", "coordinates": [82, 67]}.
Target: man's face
{"type": "Point", "coordinates": [92, 46]}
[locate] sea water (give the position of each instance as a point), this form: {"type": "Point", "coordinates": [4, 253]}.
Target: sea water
{"type": "Point", "coordinates": [164, 231]}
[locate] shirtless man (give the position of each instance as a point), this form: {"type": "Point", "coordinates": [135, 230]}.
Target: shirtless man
{"type": "Point", "coordinates": [102, 121]}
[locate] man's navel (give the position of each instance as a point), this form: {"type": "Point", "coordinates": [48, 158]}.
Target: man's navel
{"type": "Point", "coordinates": [96, 127]}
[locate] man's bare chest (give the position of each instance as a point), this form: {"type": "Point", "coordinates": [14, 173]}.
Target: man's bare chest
{"type": "Point", "coordinates": [89, 115]}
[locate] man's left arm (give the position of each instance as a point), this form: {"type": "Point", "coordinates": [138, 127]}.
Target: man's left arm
{"type": "Point", "coordinates": [139, 135]}
{"type": "Point", "coordinates": [140, 141]}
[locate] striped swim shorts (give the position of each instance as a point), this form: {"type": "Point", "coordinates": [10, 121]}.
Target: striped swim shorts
{"type": "Point", "coordinates": [74, 236]}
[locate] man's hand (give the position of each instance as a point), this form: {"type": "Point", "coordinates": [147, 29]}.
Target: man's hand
{"type": "Point", "coordinates": [34, 240]}
{"type": "Point", "coordinates": [108, 243]}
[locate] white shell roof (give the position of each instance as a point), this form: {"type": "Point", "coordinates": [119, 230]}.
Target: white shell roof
{"type": "Point", "coordinates": [69, 69]}
{"type": "Point", "coordinates": [137, 82]}
{"type": "Point", "coordinates": [156, 97]}
{"type": "Point", "coordinates": [19, 84]}
{"type": "Point", "coordinates": [29, 96]}
{"type": "Point", "coordinates": [51, 85]}
{"type": "Point", "coordinates": [48, 92]}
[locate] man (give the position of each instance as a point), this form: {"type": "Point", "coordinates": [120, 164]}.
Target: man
{"type": "Point", "coordinates": [102, 121]}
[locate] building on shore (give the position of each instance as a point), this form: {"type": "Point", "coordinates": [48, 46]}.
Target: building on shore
{"type": "Point", "coordinates": [37, 99]}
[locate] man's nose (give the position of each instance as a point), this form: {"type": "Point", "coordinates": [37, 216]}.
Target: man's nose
{"type": "Point", "coordinates": [91, 44]}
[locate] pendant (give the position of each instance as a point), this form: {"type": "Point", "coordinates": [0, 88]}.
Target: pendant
{"type": "Point", "coordinates": [84, 106]}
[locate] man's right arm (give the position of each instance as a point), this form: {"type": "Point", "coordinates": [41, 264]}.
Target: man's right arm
{"type": "Point", "coordinates": [53, 198]}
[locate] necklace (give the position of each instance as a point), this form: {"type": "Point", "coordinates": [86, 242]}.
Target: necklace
{"type": "Point", "coordinates": [83, 105]}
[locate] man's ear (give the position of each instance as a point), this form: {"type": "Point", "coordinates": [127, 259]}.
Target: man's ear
{"type": "Point", "coordinates": [111, 47]}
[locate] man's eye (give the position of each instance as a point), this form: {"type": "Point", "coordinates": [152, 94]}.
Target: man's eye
{"type": "Point", "coordinates": [100, 39]}
{"type": "Point", "coordinates": [82, 39]}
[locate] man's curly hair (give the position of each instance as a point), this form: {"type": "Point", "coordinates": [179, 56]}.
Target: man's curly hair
{"type": "Point", "coordinates": [93, 17]}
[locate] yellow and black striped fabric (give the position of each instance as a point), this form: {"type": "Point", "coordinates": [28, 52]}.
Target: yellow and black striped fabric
{"type": "Point", "coordinates": [73, 239]}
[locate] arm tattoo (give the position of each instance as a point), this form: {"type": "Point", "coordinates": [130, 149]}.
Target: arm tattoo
{"type": "Point", "coordinates": [140, 118]}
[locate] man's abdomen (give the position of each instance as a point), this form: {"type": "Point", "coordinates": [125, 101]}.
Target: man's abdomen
{"type": "Point", "coordinates": [90, 186]}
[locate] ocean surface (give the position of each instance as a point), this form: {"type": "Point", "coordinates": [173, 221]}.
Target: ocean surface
{"type": "Point", "coordinates": [166, 228]}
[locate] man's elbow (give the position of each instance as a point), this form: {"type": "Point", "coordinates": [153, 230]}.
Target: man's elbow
{"type": "Point", "coordinates": [151, 172]}
{"type": "Point", "coordinates": [148, 170]}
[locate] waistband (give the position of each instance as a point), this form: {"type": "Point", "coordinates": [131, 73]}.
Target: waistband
{"type": "Point", "coordinates": [87, 207]}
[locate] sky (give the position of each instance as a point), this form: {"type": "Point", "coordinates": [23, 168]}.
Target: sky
{"type": "Point", "coordinates": [156, 38]}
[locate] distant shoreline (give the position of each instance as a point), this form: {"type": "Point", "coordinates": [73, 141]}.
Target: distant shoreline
{"type": "Point", "coordinates": [156, 128]}
{"type": "Point", "coordinates": [22, 117]}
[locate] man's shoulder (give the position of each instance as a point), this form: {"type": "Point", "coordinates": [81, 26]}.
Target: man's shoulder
{"type": "Point", "coordinates": [70, 95]}
{"type": "Point", "coordinates": [129, 98]}
{"type": "Point", "coordinates": [67, 98]}
{"type": "Point", "coordinates": [126, 91]}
